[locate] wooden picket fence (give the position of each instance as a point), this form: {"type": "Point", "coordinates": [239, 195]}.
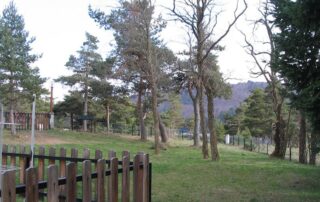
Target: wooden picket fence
{"type": "Point", "coordinates": [61, 178]}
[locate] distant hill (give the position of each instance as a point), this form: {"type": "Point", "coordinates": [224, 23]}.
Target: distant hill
{"type": "Point", "coordinates": [240, 92]}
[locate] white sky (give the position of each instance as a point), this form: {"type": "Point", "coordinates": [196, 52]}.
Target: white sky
{"type": "Point", "coordinates": [60, 25]}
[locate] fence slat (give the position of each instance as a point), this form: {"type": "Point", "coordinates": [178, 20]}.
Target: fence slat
{"type": "Point", "coordinates": [113, 191]}
{"type": "Point", "coordinates": [52, 152]}
{"type": "Point", "coordinates": [138, 178]}
{"type": "Point", "coordinates": [8, 192]}
{"type": "Point", "coordinates": [86, 180]}
{"type": "Point", "coordinates": [53, 187]}
{"type": "Point", "coordinates": [22, 164]}
{"type": "Point", "coordinates": [86, 153]}
{"type": "Point", "coordinates": [101, 167]}
{"type": "Point", "coordinates": [13, 158]}
{"type": "Point", "coordinates": [71, 185]}
{"type": "Point", "coordinates": [41, 163]}
{"type": "Point", "coordinates": [62, 169]}
{"type": "Point", "coordinates": [125, 192]}
{"type": "Point", "coordinates": [32, 194]}
{"type": "Point", "coordinates": [146, 177]}
{"type": "Point", "coordinates": [4, 157]}
{"type": "Point", "coordinates": [98, 155]}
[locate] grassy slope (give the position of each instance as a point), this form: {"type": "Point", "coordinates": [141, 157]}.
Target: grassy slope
{"type": "Point", "coordinates": [180, 174]}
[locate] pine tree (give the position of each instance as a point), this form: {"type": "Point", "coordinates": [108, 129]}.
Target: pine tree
{"type": "Point", "coordinates": [17, 78]}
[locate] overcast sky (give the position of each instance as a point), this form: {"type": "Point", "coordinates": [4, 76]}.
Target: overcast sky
{"type": "Point", "coordinates": [60, 25]}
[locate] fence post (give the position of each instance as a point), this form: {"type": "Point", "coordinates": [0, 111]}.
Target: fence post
{"type": "Point", "coordinates": [41, 163]}
{"type": "Point", "coordinates": [86, 153]}
{"type": "Point", "coordinates": [111, 154]}
{"type": "Point", "coordinates": [52, 152]}
{"type": "Point", "coordinates": [32, 193]}
{"type": "Point", "coordinates": [251, 145]}
{"type": "Point", "coordinates": [98, 155]}
{"type": "Point", "coordinates": [86, 180]}
{"type": "Point", "coordinates": [13, 158]}
{"type": "Point", "coordinates": [138, 178]}
{"type": "Point", "coordinates": [53, 187]}
{"type": "Point", "coordinates": [4, 156]}
{"type": "Point", "coordinates": [125, 192]}
{"type": "Point", "coordinates": [101, 167]}
{"type": "Point", "coordinates": [62, 170]}
{"type": "Point", "coordinates": [8, 192]}
{"type": "Point", "coordinates": [71, 184]}
{"type": "Point", "coordinates": [238, 140]}
{"type": "Point", "coordinates": [113, 191]}
{"type": "Point", "coordinates": [244, 143]}
{"type": "Point", "coordinates": [22, 164]}
{"type": "Point", "coordinates": [267, 148]}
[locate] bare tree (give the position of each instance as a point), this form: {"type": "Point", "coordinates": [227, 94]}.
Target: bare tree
{"type": "Point", "coordinates": [263, 54]}
{"type": "Point", "coordinates": [199, 17]}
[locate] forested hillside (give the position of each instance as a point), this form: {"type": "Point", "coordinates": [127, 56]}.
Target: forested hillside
{"type": "Point", "coordinates": [240, 92]}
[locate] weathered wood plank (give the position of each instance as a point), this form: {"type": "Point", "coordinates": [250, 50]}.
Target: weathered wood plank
{"type": "Point", "coordinates": [113, 191]}
{"type": "Point", "coordinates": [22, 164]}
{"type": "Point", "coordinates": [98, 155]}
{"type": "Point", "coordinates": [86, 153]}
{"type": "Point", "coordinates": [13, 158]}
{"type": "Point", "coordinates": [8, 192]}
{"type": "Point", "coordinates": [101, 167]}
{"type": "Point", "coordinates": [138, 178]}
{"type": "Point", "coordinates": [111, 154]}
{"type": "Point", "coordinates": [86, 180]}
{"type": "Point", "coordinates": [146, 177]}
{"type": "Point", "coordinates": [52, 152]}
{"type": "Point", "coordinates": [71, 185]}
{"type": "Point", "coordinates": [32, 193]}
{"type": "Point", "coordinates": [4, 157]}
{"type": "Point", "coordinates": [41, 164]}
{"type": "Point", "coordinates": [62, 169]}
{"type": "Point", "coordinates": [125, 192]}
{"type": "Point", "coordinates": [53, 187]}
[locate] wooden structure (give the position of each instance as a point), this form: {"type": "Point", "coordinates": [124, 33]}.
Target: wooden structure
{"type": "Point", "coordinates": [23, 120]}
{"type": "Point", "coordinates": [58, 177]}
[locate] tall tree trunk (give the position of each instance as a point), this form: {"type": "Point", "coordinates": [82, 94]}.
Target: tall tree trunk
{"type": "Point", "coordinates": [196, 118]}
{"type": "Point", "coordinates": [108, 117]}
{"type": "Point", "coordinates": [302, 139]}
{"type": "Point", "coordinates": [280, 138]}
{"type": "Point", "coordinates": [155, 117]}
{"type": "Point", "coordinates": [163, 133]}
{"type": "Point", "coordinates": [85, 111]}
{"type": "Point", "coordinates": [313, 149]}
{"type": "Point", "coordinates": [12, 103]}
{"type": "Point", "coordinates": [142, 128]}
{"type": "Point", "coordinates": [213, 134]}
{"type": "Point", "coordinates": [85, 107]}
{"type": "Point", "coordinates": [205, 151]}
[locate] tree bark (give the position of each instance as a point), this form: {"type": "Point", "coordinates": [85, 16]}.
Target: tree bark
{"type": "Point", "coordinates": [155, 117]}
{"type": "Point", "coordinates": [142, 128]}
{"type": "Point", "coordinates": [302, 139]}
{"type": "Point", "coordinates": [85, 106]}
{"type": "Point", "coordinates": [205, 151]}
{"type": "Point", "coordinates": [313, 147]}
{"type": "Point", "coordinates": [196, 112]}
{"type": "Point", "coordinates": [108, 117]}
{"type": "Point", "coordinates": [163, 133]}
{"type": "Point", "coordinates": [213, 135]}
{"type": "Point", "coordinates": [280, 138]}
{"type": "Point", "coordinates": [12, 103]}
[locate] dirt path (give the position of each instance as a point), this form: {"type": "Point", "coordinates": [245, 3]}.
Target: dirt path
{"type": "Point", "coordinates": [40, 139]}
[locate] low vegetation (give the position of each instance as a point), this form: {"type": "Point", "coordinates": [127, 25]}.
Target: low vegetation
{"type": "Point", "coordinates": [179, 174]}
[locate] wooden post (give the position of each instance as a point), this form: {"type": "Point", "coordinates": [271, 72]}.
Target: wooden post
{"type": "Point", "coordinates": [52, 152]}
{"type": "Point", "coordinates": [86, 153]}
{"type": "Point", "coordinates": [13, 158]}
{"type": "Point", "coordinates": [8, 192]}
{"type": "Point", "coordinates": [22, 164]}
{"type": "Point", "coordinates": [71, 186]}
{"type": "Point", "coordinates": [32, 193]}
{"type": "Point", "coordinates": [125, 192]}
{"type": "Point", "coordinates": [113, 191]}
{"type": "Point", "coordinates": [41, 163]}
{"type": "Point", "coordinates": [53, 187]}
{"type": "Point", "coordinates": [86, 180]}
{"type": "Point", "coordinates": [4, 156]}
{"type": "Point", "coordinates": [101, 167]}
{"type": "Point", "coordinates": [138, 178]}
{"type": "Point", "coordinates": [145, 177]}
{"type": "Point", "coordinates": [98, 155]}
{"type": "Point", "coordinates": [62, 169]}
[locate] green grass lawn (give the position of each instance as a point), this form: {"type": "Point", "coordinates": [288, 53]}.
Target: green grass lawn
{"type": "Point", "coordinates": [180, 173]}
